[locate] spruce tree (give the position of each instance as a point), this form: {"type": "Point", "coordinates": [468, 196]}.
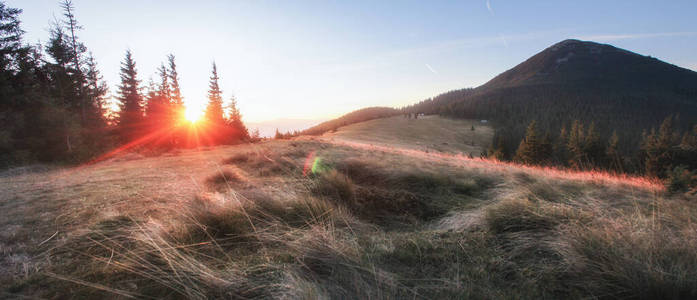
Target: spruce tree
{"type": "Point", "coordinates": [575, 145]}
{"type": "Point", "coordinates": [10, 41]}
{"type": "Point", "coordinates": [175, 94]}
{"type": "Point", "coordinates": [530, 150]}
{"type": "Point", "coordinates": [559, 148]}
{"type": "Point", "coordinates": [214, 110]}
{"type": "Point", "coordinates": [158, 105]}
{"type": "Point", "coordinates": [239, 130]}
{"type": "Point", "coordinates": [96, 90]}
{"type": "Point", "coordinates": [594, 148]}
{"type": "Point", "coordinates": [613, 154]}
{"type": "Point", "coordinates": [130, 120]}
{"type": "Point", "coordinates": [495, 150]}
{"type": "Point", "coordinates": [659, 149]}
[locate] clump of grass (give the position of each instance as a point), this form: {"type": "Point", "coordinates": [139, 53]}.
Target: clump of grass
{"type": "Point", "coordinates": [222, 180]}
{"type": "Point", "coordinates": [336, 185]}
{"type": "Point", "coordinates": [618, 260]}
{"type": "Point", "coordinates": [238, 158]}
{"type": "Point", "coordinates": [513, 215]}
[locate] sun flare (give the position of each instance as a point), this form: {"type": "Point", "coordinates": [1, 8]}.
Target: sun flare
{"type": "Point", "coordinates": [193, 114]}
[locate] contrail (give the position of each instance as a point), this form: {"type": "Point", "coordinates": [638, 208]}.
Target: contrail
{"type": "Point", "coordinates": [432, 70]}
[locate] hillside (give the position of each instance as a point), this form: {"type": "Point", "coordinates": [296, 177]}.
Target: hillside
{"type": "Point", "coordinates": [428, 133]}
{"type": "Point", "coordinates": [320, 218]}
{"type": "Point", "coordinates": [577, 80]}
{"type": "Point", "coordinates": [361, 115]}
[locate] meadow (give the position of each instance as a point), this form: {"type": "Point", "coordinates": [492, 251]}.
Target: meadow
{"type": "Point", "coordinates": [325, 217]}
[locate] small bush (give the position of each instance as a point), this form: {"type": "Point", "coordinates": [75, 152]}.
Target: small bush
{"type": "Point", "coordinates": [681, 180]}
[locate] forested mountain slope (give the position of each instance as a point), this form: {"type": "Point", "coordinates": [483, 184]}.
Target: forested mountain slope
{"type": "Point", "coordinates": [577, 80]}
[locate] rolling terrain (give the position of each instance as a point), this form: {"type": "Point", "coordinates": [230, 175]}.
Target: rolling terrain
{"type": "Point", "coordinates": [452, 135]}
{"type": "Point", "coordinates": [336, 216]}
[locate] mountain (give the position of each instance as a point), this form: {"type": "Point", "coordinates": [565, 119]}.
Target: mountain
{"type": "Point", "coordinates": [616, 89]}
{"type": "Point", "coordinates": [578, 62]}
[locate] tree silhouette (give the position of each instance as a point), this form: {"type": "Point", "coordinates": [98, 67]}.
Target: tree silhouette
{"type": "Point", "coordinates": [214, 110]}
{"type": "Point", "coordinates": [131, 102]}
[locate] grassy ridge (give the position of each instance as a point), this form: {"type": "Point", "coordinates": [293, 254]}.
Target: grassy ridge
{"type": "Point", "coordinates": [470, 137]}
{"type": "Point", "coordinates": [368, 225]}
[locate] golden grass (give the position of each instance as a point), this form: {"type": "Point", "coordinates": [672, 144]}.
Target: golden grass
{"type": "Point", "coordinates": [433, 133]}
{"type": "Point", "coordinates": [384, 223]}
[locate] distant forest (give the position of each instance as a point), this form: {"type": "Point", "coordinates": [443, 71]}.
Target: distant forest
{"type": "Point", "coordinates": [54, 101]}
{"type": "Point", "coordinates": [627, 129]}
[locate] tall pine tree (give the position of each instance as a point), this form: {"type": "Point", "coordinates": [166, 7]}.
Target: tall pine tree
{"type": "Point", "coordinates": [214, 110]}
{"type": "Point", "coordinates": [175, 95]}
{"type": "Point", "coordinates": [130, 120]}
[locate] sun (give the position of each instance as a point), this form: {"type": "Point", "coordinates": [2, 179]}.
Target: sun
{"type": "Point", "coordinates": [193, 114]}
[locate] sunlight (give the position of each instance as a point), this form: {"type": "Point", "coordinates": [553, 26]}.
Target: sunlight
{"type": "Point", "coordinates": [193, 114]}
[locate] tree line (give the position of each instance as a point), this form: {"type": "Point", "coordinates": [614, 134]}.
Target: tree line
{"type": "Point", "coordinates": [53, 100]}
{"type": "Point", "coordinates": [582, 148]}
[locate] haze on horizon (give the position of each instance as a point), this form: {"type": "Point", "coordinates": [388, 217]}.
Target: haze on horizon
{"type": "Point", "coordinates": [320, 59]}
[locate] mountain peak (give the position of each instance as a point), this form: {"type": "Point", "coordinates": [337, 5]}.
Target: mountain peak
{"type": "Point", "coordinates": [575, 62]}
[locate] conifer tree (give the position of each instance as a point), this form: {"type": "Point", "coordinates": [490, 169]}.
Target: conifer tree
{"type": "Point", "coordinates": [688, 148]}
{"type": "Point", "coordinates": [158, 105]}
{"type": "Point", "coordinates": [164, 86]}
{"type": "Point", "coordinates": [594, 148]}
{"type": "Point", "coordinates": [559, 148]}
{"type": "Point", "coordinates": [10, 39]}
{"type": "Point", "coordinates": [496, 152]}
{"type": "Point", "coordinates": [76, 51]}
{"type": "Point", "coordinates": [659, 149]}
{"type": "Point", "coordinates": [234, 120]}
{"type": "Point", "coordinates": [613, 154]}
{"type": "Point", "coordinates": [214, 110]}
{"type": "Point", "coordinates": [131, 102]}
{"type": "Point", "coordinates": [96, 90]}
{"type": "Point", "coordinates": [530, 150]}
{"type": "Point", "coordinates": [175, 94]}
{"type": "Point", "coordinates": [574, 146]}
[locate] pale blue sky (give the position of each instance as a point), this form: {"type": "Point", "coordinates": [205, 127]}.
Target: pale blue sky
{"type": "Point", "coordinates": [320, 59]}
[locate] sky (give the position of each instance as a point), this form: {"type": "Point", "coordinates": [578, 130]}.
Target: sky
{"type": "Point", "coordinates": [321, 59]}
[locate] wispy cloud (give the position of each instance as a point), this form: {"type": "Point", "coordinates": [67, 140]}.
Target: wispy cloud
{"type": "Point", "coordinates": [432, 70]}
{"type": "Point", "coordinates": [488, 7]}
{"type": "Point", "coordinates": [617, 37]}
{"type": "Point", "coordinates": [503, 40]}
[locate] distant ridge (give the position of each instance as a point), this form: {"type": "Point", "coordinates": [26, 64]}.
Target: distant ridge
{"type": "Point", "coordinates": [361, 115]}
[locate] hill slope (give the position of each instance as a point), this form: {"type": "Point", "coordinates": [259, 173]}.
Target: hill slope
{"type": "Point", "coordinates": [591, 82]}
{"type": "Point", "coordinates": [361, 115]}
{"type": "Point", "coordinates": [430, 133]}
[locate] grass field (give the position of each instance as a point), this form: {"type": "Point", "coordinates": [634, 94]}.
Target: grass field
{"type": "Point", "coordinates": [340, 216]}
{"type": "Point", "coordinates": [425, 133]}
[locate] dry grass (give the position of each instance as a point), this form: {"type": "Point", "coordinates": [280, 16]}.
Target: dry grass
{"type": "Point", "coordinates": [453, 135]}
{"type": "Point", "coordinates": [244, 222]}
